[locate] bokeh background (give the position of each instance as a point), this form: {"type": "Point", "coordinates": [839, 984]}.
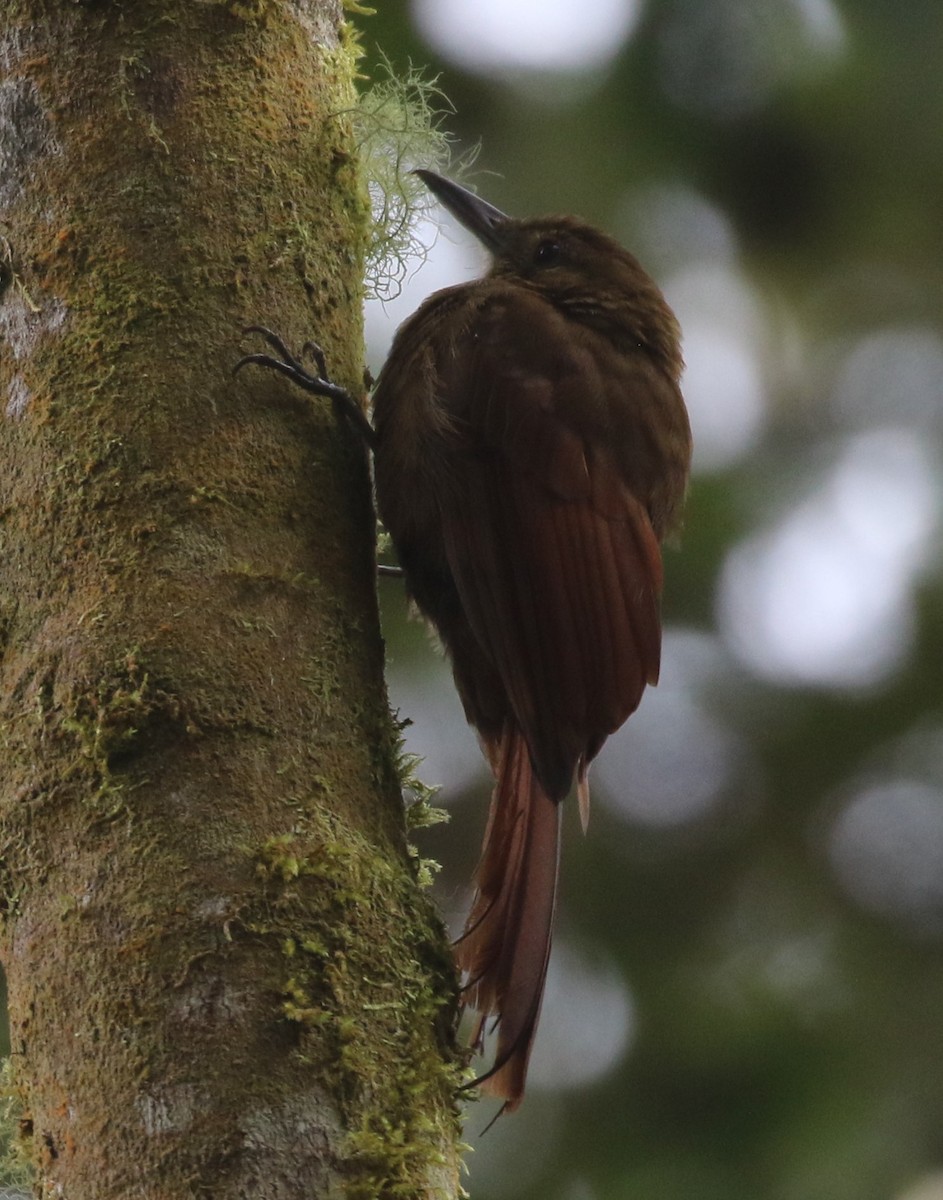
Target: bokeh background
{"type": "Point", "coordinates": [746, 995]}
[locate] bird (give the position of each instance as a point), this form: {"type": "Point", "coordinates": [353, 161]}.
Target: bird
{"type": "Point", "coordinates": [531, 452]}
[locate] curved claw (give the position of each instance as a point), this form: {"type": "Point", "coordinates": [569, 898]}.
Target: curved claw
{"type": "Point", "coordinates": [296, 373]}
{"type": "Point", "coordinates": [317, 354]}
{"type": "Point", "coordinates": [274, 341]}
{"type": "Point", "coordinates": [264, 360]}
{"type": "Point", "coordinates": [319, 384]}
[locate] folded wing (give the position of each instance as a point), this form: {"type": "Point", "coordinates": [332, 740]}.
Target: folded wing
{"type": "Point", "coordinates": [554, 557]}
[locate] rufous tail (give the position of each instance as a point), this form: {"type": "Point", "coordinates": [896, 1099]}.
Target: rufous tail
{"type": "Point", "coordinates": [505, 948]}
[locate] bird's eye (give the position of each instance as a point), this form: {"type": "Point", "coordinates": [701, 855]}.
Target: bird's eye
{"type": "Point", "coordinates": [547, 253]}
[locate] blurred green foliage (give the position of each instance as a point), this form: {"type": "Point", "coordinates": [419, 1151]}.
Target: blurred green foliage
{"type": "Point", "coordinates": [781, 945]}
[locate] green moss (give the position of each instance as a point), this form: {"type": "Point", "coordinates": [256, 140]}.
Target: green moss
{"type": "Point", "coordinates": [373, 998]}
{"type": "Point", "coordinates": [10, 278]}
{"type": "Point", "coordinates": [248, 10]}
{"type": "Point", "coordinates": [365, 981]}
{"type": "Point", "coordinates": [421, 813]}
{"type": "Point", "coordinates": [107, 720]}
{"type": "Point", "coordinates": [16, 1171]}
{"type": "Point", "coordinates": [109, 724]}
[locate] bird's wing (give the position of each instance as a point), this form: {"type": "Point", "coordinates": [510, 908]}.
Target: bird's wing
{"type": "Point", "coordinates": [553, 554]}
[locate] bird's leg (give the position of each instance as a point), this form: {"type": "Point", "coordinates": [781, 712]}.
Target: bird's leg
{"type": "Point", "coordinates": [320, 384]}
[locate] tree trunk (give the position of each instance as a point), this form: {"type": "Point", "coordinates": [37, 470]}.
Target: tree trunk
{"type": "Point", "coordinates": [224, 978]}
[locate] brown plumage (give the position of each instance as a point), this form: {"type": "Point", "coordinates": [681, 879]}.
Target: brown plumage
{"type": "Point", "coordinates": [531, 452]}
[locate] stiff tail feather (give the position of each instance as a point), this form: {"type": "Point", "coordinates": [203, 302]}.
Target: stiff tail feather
{"type": "Point", "coordinates": [505, 948]}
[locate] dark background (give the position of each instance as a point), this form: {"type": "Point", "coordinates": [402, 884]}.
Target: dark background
{"type": "Point", "coordinates": [745, 1001]}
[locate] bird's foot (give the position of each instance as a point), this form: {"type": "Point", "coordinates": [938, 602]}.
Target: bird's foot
{"type": "Point", "coordinates": [319, 383]}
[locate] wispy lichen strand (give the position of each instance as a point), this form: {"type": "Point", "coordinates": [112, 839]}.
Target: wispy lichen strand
{"type": "Point", "coordinates": [399, 124]}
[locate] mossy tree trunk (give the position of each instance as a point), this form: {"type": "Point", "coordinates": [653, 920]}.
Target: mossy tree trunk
{"type": "Point", "coordinates": [224, 979]}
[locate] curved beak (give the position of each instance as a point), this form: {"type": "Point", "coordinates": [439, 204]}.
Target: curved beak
{"type": "Point", "coordinates": [479, 217]}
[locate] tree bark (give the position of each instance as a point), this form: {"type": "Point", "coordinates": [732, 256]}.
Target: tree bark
{"type": "Point", "coordinates": [224, 978]}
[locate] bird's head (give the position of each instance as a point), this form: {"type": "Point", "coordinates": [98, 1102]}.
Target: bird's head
{"type": "Point", "coordinates": [578, 267]}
